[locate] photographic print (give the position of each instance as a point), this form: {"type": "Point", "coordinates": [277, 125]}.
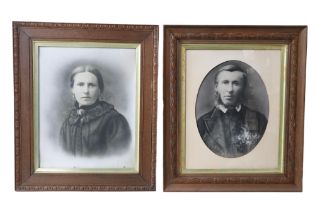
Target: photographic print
{"type": "Point", "coordinates": [89, 119]}
{"type": "Point", "coordinates": [232, 129]}
{"type": "Point", "coordinates": [229, 104]}
{"type": "Point", "coordinates": [85, 106]}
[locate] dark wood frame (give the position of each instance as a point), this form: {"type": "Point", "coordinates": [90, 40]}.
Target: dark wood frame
{"type": "Point", "coordinates": [291, 179]}
{"type": "Point", "coordinates": [25, 178]}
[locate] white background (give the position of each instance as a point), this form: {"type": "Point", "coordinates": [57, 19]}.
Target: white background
{"type": "Point", "coordinates": [240, 12]}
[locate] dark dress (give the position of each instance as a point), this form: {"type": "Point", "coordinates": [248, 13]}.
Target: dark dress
{"type": "Point", "coordinates": [95, 130]}
{"type": "Point", "coordinates": [234, 133]}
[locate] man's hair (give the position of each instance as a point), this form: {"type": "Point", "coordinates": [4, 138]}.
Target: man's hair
{"type": "Point", "coordinates": [231, 68]}
{"type": "Point", "coordinates": [92, 70]}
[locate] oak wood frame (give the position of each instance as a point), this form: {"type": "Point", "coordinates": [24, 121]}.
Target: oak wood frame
{"type": "Point", "coordinates": [296, 39]}
{"type": "Point", "coordinates": [25, 178]}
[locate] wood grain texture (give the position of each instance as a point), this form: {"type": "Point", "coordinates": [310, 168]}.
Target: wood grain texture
{"type": "Point", "coordinates": [23, 35]}
{"type": "Point", "coordinates": [291, 180]}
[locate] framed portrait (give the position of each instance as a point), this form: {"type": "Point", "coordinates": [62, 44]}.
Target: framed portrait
{"type": "Point", "coordinates": [85, 106]}
{"type": "Point", "coordinates": [234, 107]}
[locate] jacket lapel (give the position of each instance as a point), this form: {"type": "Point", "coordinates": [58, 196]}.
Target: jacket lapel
{"type": "Point", "coordinates": [215, 129]}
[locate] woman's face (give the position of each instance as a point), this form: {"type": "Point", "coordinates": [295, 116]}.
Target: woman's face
{"type": "Point", "coordinates": [85, 88]}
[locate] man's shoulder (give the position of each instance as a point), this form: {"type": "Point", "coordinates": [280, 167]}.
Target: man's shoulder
{"type": "Point", "coordinates": [255, 118]}
{"type": "Point", "coordinates": [253, 112]}
{"type": "Point", "coordinates": [209, 116]}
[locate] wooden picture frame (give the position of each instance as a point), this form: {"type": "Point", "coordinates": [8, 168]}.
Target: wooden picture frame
{"type": "Point", "coordinates": [127, 53]}
{"type": "Point", "coordinates": [194, 55]}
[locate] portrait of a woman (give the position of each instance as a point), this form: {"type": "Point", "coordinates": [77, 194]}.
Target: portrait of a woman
{"type": "Point", "coordinates": [93, 127]}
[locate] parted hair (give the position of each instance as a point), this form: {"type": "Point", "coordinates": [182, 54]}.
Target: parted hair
{"type": "Point", "coordinates": [92, 70]}
{"type": "Point", "coordinates": [231, 68]}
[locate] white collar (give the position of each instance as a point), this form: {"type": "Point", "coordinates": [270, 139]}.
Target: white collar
{"type": "Point", "coordinates": [224, 109]}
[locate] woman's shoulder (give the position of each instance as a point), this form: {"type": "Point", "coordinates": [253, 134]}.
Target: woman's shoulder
{"type": "Point", "coordinates": [109, 109]}
{"type": "Point", "coordinates": [105, 105]}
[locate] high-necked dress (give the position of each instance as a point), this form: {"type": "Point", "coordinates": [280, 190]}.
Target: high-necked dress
{"type": "Point", "coordinates": [97, 129]}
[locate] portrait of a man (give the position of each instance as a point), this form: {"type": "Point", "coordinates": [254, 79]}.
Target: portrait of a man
{"type": "Point", "coordinates": [231, 129]}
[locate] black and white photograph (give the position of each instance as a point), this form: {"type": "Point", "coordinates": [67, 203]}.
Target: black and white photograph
{"type": "Point", "coordinates": [87, 106]}
{"type": "Point", "coordinates": [232, 109]}
{"type": "Point", "coordinates": [229, 122]}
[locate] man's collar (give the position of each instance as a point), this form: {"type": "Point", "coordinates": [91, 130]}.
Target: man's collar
{"type": "Point", "coordinates": [224, 109]}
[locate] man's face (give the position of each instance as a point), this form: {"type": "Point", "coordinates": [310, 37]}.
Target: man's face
{"type": "Point", "coordinates": [85, 88]}
{"type": "Point", "coordinates": [229, 87]}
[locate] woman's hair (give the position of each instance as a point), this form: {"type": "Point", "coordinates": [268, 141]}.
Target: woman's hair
{"type": "Point", "coordinates": [92, 70]}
